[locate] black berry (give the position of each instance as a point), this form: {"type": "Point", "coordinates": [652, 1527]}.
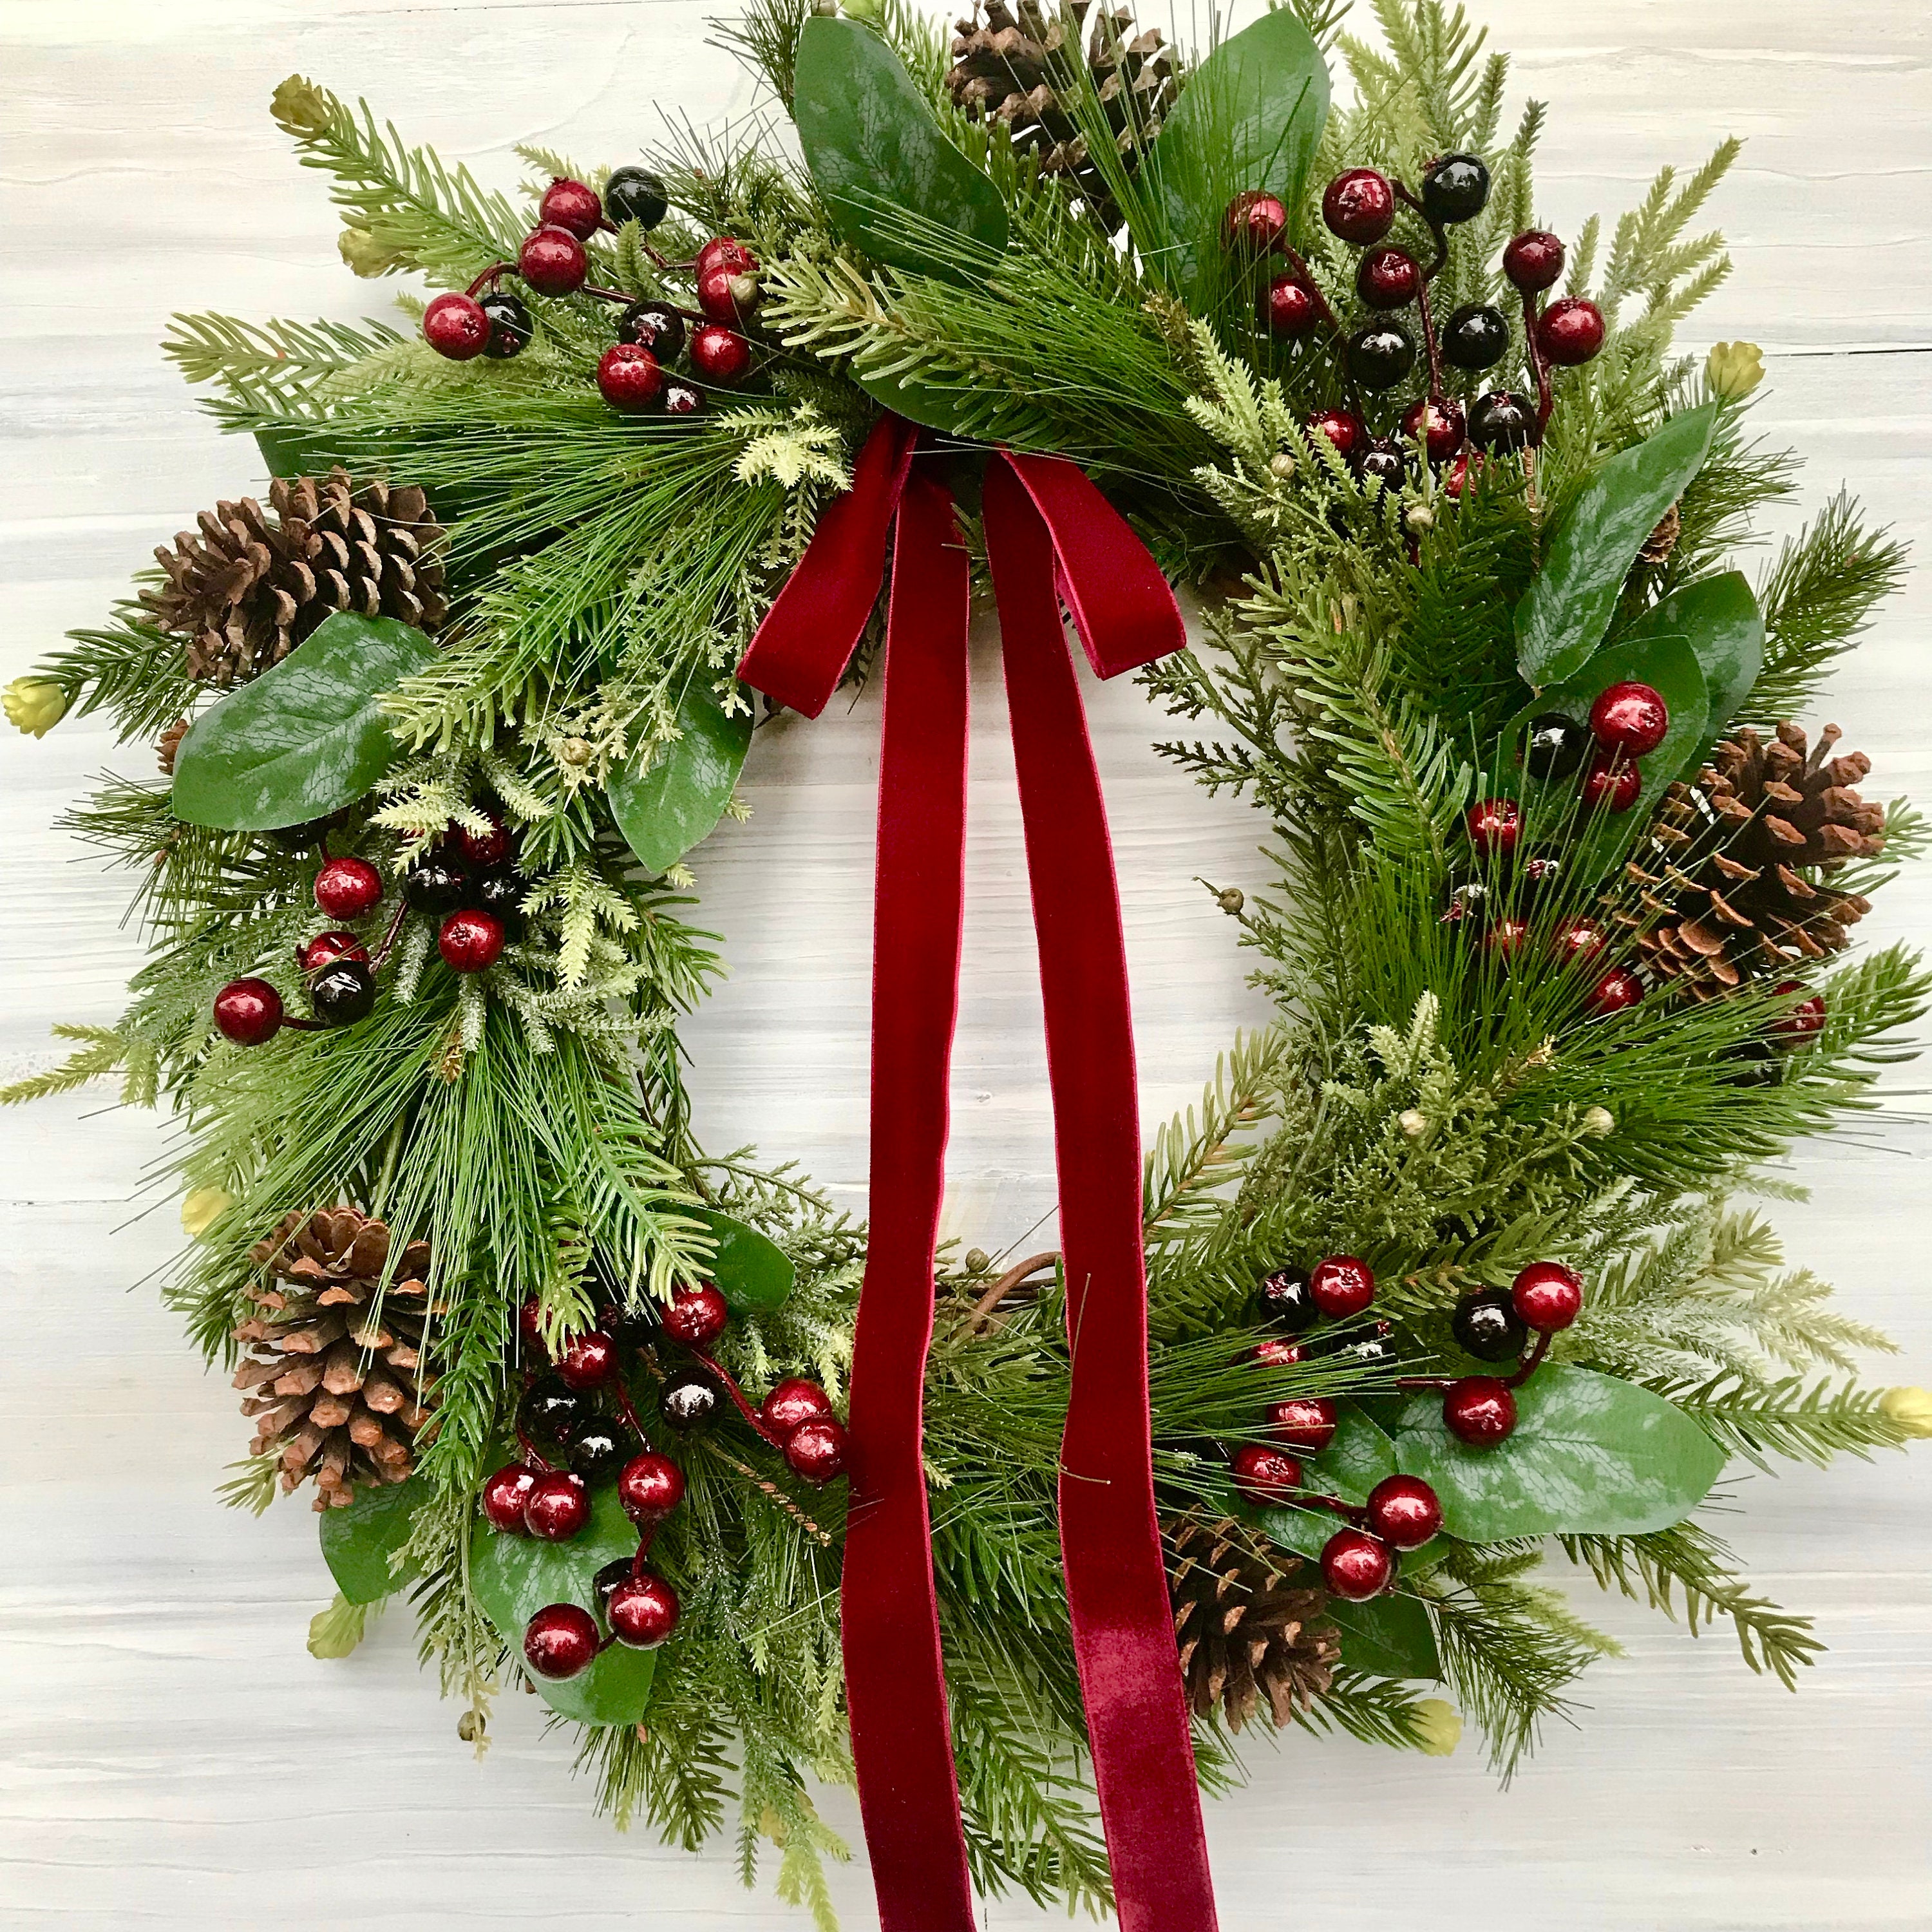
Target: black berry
{"type": "Point", "coordinates": [551, 1411]}
{"type": "Point", "coordinates": [1557, 745]}
{"type": "Point", "coordinates": [1500, 421]}
{"type": "Point", "coordinates": [343, 993]}
{"type": "Point", "coordinates": [511, 327]}
{"type": "Point", "coordinates": [635, 194]}
{"type": "Point", "coordinates": [1475, 337]}
{"type": "Point", "coordinates": [680, 399]}
{"type": "Point", "coordinates": [1373, 1350]}
{"type": "Point", "coordinates": [608, 1579]}
{"type": "Point", "coordinates": [501, 892]}
{"type": "Point", "coordinates": [1382, 462]}
{"type": "Point", "coordinates": [689, 1399]}
{"type": "Point", "coordinates": [598, 1451]}
{"type": "Point", "coordinates": [1455, 188]}
{"type": "Point", "coordinates": [1487, 1327]}
{"type": "Point", "coordinates": [433, 885]}
{"type": "Point", "coordinates": [1466, 903]}
{"type": "Point", "coordinates": [300, 838]}
{"type": "Point", "coordinates": [1380, 355]}
{"type": "Point", "coordinates": [654, 325]}
{"type": "Point", "coordinates": [1284, 1301]}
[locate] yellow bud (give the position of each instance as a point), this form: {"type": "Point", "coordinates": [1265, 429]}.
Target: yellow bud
{"type": "Point", "coordinates": [870, 11]}
{"type": "Point", "coordinates": [1598, 1121]}
{"type": "Point", "coordinates": [1911, 1408]}
{"type": "Point", "coordinates": [1438, 1727]}
{"type": "Point", "coordinates": [201, 1208]}
{"type": "Point", "coordinates": [366, 257]}
{"type": "Point", "coordinates": [1734, 369]}
{"type": "Point", "coordinates": [299, 106]}
{"type": "Point", "coordinates": [35, 704]}
{"type": "Point", "coordinates": [1413, 1123]}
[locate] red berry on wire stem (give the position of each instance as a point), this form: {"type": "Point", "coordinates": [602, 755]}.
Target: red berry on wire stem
{"type": "Point", "coordinates": [1506, 936]}
{"type": "Point", "coordinates": [630, 378]}
{"type": "Point", "coordinates": [1439, 419]}
{"type": "Point", "coordinates": [1495, 825]}
{"type": "Point", "coordinates": [326, 948]}
{"type": "Point", "coordinates": [529, 1327]}
{"type": "Point", "coordinates": [454, 325]}
{"type": "Point", "coordinates": [588, 1360]}
{"type": "Point", "coordinates": [470, 941]}
{"type": "Point", "coordinates": [1304, 1422]}
{"type": "Point", "coordinates": [1479, 1410]}
{"type": "Point", "coordinates": [505, 1497]}
{"type": "Point", "coordinates": [697, 1316]}
{"type": "Point", "coordinates": [1534, 260]}
{"type": "Point", "coordinates": [1290, 308]}
{"type": "Point", "coordinates": [1341, 1285]}
{"type": "Point", "coordinates": [720, 355]}
{"type": "Point", "coordinates": [1388, 278]}
{"type": "Point", "coordinates": [1630, 718]}
{"type": "Point", "coordinates": [1359, 206]}
{"type": "Point", "coordinates": [557, 1507]}
{"type": "Point", "coordinates": [1255, 222]}
{"type": "Point", "coordinates": [649, 1486]}
{"type": "Point", "coordinates": [1404, 1512]}
{"type": "Point", "coordinates": [1356, 1566]}
{"type": "Point", "coordinates": [642, 1611]}
{"type": "Point", "coordinates": [1570, 332]}
{"type": "Point", "coordinates": [1265, 1475]}
{"type": "Point", "coordinates": [730, 295]}
{"type": "Point", "coordinates": [1547, 1296]}
{"type": "Point", "coordinates": [1618, 989]}
{"type": "Point", "coordinates": [348, 888]}
{"type": "Point", "coordinates": [552, 262]}
{"type": "Point", "coordinates": [248, 1011]}
{"type": "Point", "coordinates": [1611, 784]}
{"type": "Point", "coordinates": [816, 1450]}
{"type": "Point", "coordinates": [725, 252]}
{"type": "Point", "coordinates": [1275, 1353]}
{"type": "Point", "coordinates": [560, 1641]}
{"type": "Point", "coordinates": [570, 204]}
{"type": "Point", "coordinates": [792, 1403]}
{"type": "Point", "coordinates": [1582, 939]}
{"type": "Point", "coordinates": [1342, 429]}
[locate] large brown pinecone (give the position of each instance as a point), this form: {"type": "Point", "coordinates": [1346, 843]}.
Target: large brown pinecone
{"type": "Point", "coordinates": [249, 585]}
{"type": "Point", "coordinates": [1742, 886]}
{"type": "Point", "coordinates": [333, 1362]}
{"type": "Point", "coordinates": [1020, 64]}
{"type": "Point", "coordinates": [1249, 1632]}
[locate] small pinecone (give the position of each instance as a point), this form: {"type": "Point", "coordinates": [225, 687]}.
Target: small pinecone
{"type": "Point", "coordinates": [169, 743]}
{"type": "Point", "coordinates": [333, 1362]}
{"type": "Point", "coordinates": [1018, 65]}
{"type": "Point", "coordinates": [1744, 884]}
{"type": "Point", "coordinates": [1249, 1635]}
{"type": "Point", "coordinates": [1662, 540]}
{"type": "Point", "coordinates": [249, 586]}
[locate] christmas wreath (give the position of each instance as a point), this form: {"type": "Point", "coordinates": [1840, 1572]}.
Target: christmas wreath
{"type": "Point", "coordinates": [1455, 1270]}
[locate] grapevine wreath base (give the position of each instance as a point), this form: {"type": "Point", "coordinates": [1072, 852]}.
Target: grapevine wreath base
{"type": "Point", "coordinates": [1455, 1271]}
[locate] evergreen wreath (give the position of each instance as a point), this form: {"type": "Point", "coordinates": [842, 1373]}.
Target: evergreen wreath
{"type": "Point", "coordinates": [1456, 1269]}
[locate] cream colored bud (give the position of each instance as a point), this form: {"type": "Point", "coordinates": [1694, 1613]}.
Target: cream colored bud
{"type": "Point", "coordinates": [1419, 516]}
{"type": "Point", "coordinates": [1282, 466]}
{"type": "Point", "coordinates": [365, 256]}
{"type": "Point", "coordinates": [1438, 1727]}
{"type": "Point", "coordinates": [1911, 1408]}
{"type": "Point", "coordinates": [299, 106]}
{"type": "Point", "coordinates": [1734, 369]}
{"type": "Point", "coordinates": [1231, 899]}
{"type": "Point", "coordinates": [575, 752]}
{"type": "Point", "coordinates": [35, 704]}
{"type": "Point", "coordinates": [1598, 1121]}
{"type": "Point", "coordinates": [201, 1207]}
{"type": "Point", "coordinates": [1414, 1124]}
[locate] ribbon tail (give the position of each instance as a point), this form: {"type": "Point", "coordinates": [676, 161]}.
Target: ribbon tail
{"type": "Point", "coordinates": [1116, 1576]}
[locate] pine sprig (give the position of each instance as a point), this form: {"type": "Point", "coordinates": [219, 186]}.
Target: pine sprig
{"type": "Point", "coordinates": [1787, 1418]}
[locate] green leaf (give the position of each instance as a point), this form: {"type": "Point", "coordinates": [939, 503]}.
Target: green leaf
{"type": "Point", "coordinates": [290, 451]}
{"type": "Point", "coordinates": [515, 1576]}
{"type": "Point", "coordinates": [358, 1541]}
{"type": "Point", "coordinates": [665, 806]}
{"type": "Point", "coordinates": [1590, 1455]}
{"type": "Point", "coordinates": [305, 738]}
{"type": "Point", "coordinates": [1250, 118]}
{"type": "Point", "coordinates": [1390, 1636]}
{"type": "Point", "coordinates": [1561, 617]}
{"type": "Point", "coordinates": [1358, 1458]}
{"type": "Point", "coordinates": [942, 410]}
{"type": "Point", "coordinates": [1718, 618]}
{"type": "Point", "coordinates": [750, 1271]}
{"type": "Point", "coordinates": [875, 149]}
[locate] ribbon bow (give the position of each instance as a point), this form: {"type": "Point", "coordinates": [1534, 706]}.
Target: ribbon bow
{"type": "Point", "coordinates": [1051, 538]}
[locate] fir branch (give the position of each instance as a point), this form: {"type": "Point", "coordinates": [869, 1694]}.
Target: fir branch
{"type": "Point", "coordinates": [105, 1051]}
{"type": "Point", "coordinates": [1786, 1418]}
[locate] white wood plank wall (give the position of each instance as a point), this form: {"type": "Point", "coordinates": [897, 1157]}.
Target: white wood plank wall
{"type": "Point", "coordinates": [170, 1757]}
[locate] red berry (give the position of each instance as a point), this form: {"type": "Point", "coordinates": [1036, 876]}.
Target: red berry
{"type": "Point", "coordinates": [1341, 1285]}
{"type": "Point", "coordinates": [1341, 429]}
{"type": "Point", "coordinates": [530, 1326]}
{"type": "Point", "coordinates": [1359, 206]}
{"type": "Point", "coordinates": [642, 1611]}
{"type": "Point", "coordinates": [729, 295]}
{"type": "Point", "coordinates": [454, 325]}
{"type": "Point", "coordinates": [629, 378]}
{"type": "Point", "coordinates": [557, 1507]}
{"type": "Point", "coordinates": [1440, 418]}
{"type": "Point", "coordinates": [791, 1405]}
{"type": "Point", "coordinates": [1505, 936]}
{"type": "Point", "coordinates": [719, 356]}
{"type": "Point", "coordinates": [1456, 476]}
{"type": "Point", "coordinates": [1570, 332]}
{"type": "Point", "coordinates": [1803, 1019]}
{"type": "Point", "coordinates": [1630, 718]}
{"type": "Point", "coordinates": [1582, 939]}
{"type": "Point", "coordinates": [697, 1316]}
{"type": "Point", "coordinates": [1265, 1475]}
{"type": "Point", "coordinates": [589, 1360]}
{"type": "Point", "coordinates": [326, 948]}
{"type": "Point", "coordinates": [649, 1486]}
{"type": "Point", "coordinates": [552, 262]}
{"type": "Point", "coordinates": [1404, 1511]}
{"type": "Point", "coordinates": [1534, 260]}
{"type": "Point", "coordinates": [569, 204]}
{"type": "Point", "coordinates": [1290, 308]}
{"type": "Point", "coordinates": [248, 1011]}
{"type": "Point", "coordinates": [470, 940]}
{"type": "Point", "coordinates": [727, 252]}
{"type": "Point", "coordinates": [1479, 1410]}
{"type": "Point", "coordinates": [348, 888]}
{"type": "Point", "coordinates": [1547, 1296]}
{"type": "Point", "coordinates": [1275, 1353]}
{"type": "Point", "coordinates": [816, 1450]}
{"type": "Point", "coordinates": [1611, 784]}
{"type": "Point", "coordinates": [505, 1495]}
{"type": "Point", "coordinates": [482, 850]}
{"type": "Point", "coordinates": [1494, 826]}
{"type": "Point", "coordinates": [560, 1641]}
{"type": "Point", "coordinates": [1618, 989]}
{"type": "Point", "coordinates": [1255, 223]}
{"type": "Point", "coordinates": [1387, 278]}
{"type": "Point", "coordinates": [1303, 1422]}
{"type": "Point", "coordinates": [1356, 1566]}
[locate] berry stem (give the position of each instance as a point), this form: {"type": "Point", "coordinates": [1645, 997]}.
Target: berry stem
{"type": "Point", "coordinates": [1531, 1364]}
{"type": "Point", "coordinates": [1349, 1512]}
{"type": "Point", "coordinates": [1337, 334]}
{"type": "Point", "coordinates": [1418, 1385]}
{"type": "Point", "coordinates": [768, 1487]}
{"type": "Point", "coordinates": [489, 278]}
{"type": "Point", "coordinates": [533, 1456]}
{"type": "Point", "coordinates": [608, 226]}
{"type": "Point", "coordinates": [712, 1366]}
{"type": "Point", "coordinates": [627, 1409]}
{"type": "Point", "coordinates": [1434, 227]}
{"type": "Point", "coordinates": [643, 1549]}
{"type": "Point", "coordinates": [387, 944]}
{"type": "Point", "coordinates": [1545, 402]}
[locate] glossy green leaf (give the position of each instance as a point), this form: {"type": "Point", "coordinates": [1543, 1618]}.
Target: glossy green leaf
{"type": "Point", "coordinates": [673, 797]}
{"type": "Point", "coordinates": [750, 1271]}
{"type": "Point", "coordinates": [1718, 618]}
{"type": "Point", "coordinates": [941, 409]}
{"type": "Point", "coordinates": [1357, 1458]}
{"type": "Point", "coordinates": [1590, 1455]}
{"type": "Point", "coordinates": [305, 738]}
{"type": "Point", "coordinates": [1250, 117]}
{"type": "Point", "coordinates": [290, 451]}
{"type": "Point", "coordinates": [1390, 1636]}
{"type": "Point", "coordinates": [1561, 617]}
{"type": "Point", "coordinates": [874, 149]}
{"type": "Point", "coordinates": [515, 1576]}
{"type": "Point", "coordinates": [358, 1541]}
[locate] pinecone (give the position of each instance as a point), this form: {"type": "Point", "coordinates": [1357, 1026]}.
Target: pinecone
{"type": "Point", "coordinates": [250, 587]}
{"type": "Point", "coordinates": [333, 1364]}
{"type": "Point", "coordinates": [169, 744]}
{"type": "Point", "coordinates": [1019, 65]}
{"type": "Point", "coordinates": [1742, 883]}
{"type": "Point", "coordinates": [1249, 1634]}
{"type": "Point", "coordinates": [1658, 546]}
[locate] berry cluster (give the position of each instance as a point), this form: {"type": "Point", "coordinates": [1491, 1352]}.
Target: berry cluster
{"type": "Point", "coordinates": [633, 375]}
{"type": "Point", "coordinates": [1627, 722]}
{"type": "Point", "coordinates": [469, 882]}
{"type": "Point", "coordinates": [1493, 1325]}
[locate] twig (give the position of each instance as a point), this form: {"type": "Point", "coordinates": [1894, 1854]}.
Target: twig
{"type": "Point", "coordinates": [977, 1317]}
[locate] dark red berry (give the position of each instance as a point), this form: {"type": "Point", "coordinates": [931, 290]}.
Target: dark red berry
{"type": "Point", "coordinates": [1611, 784]}
{"type": "Point", "coordinates": [1800, 1020]}
{"type": "Point", "coordinates": [1505, 936]}
{"type": "Point", "coordinates": [1630, 718]}
{"type": "Point", "coordinates": [552, 262]}
{"type": "Point", "coordinates": [248, 1011]}
{"type": "Point", "coordinates": [1256, 223]}
{"type": "Point", "coordinates": [680, 399]}
{"type": "Point", "coordinates": [1383, 464]}
{"type": "Point", "coordinates": [720, 355]}
{"type": "Point", "coordinates": [1341, 1285]}
{"type": "Point", "coordinates": [511, 328]}
{"type": "Point", "coordinates": [1356, 1566]}
{"type": "Point", "coordinates": [649, 1486]}
{"type": "Point", "coordinates": [1570, 332]}
{"type": "Point", "coordinates": [1494, 826]}
{"type": "Point", "coordinates": [642, 1611]}
{"type": "Point", "coordinates": [730, 295]}
{"type": "Point", "coordinates": [560, 1641]}
{"type": "Point", "coordinates": [1303, 1422]}
{"type": "Point", "coordinates": [500, 892]}
{"type": "Point", "coordinates": [1581, 939]}
{"type": "Point", "coordinates": [1290, 309]}
{"type": "Point", "coordinates": [1479, 1410]}
{"type": "Point", "coordinates": [455, 326]}
{"type": "Point", "coordinates": [1275, 1353]}
{"type": "Point", "coordinates": [655, 325]}
{"type": "Point", "coordinates": [1359, 206]}
{"type": "Point", "coordinates": [629, 378]}
{"type": "Point", "coordinates": [1404, 1512]}
{"type": "Point", "coordinates": [433, 885]}
{"type": "Point", "coordinates": [1440, 419]}
{"type": "Point", "coordinates": [326, 948]}
{"type": "Point", "coordinates": [791, 1405]}
{"type": "Point", "coordinates": [1379, 355]}
{"type": "Point", "coordinates": [1542, 874]}
{"type": "Point", "coordinates": [697, 1316]}
{"type": "Point", "coordinates": [1487, 1325]}
{"type": "Point", "coordinates": [348, 888]}
{"type": "Point", "coordinates": [727, 252]}
{"type": "Point", "coordinates": [1387, 278]}
{"type": "Point", "coordinates": [505, 1496]}
{"type": "Point", "coordinates": [342, 994]}
{"type": "Point", "coordinates": [635, 194]}
{"type": "Point", "coordinates": [1533, 261]}
{"type": "Point", "coordinates": [470, 940]}
{"type": "Point", "coordinates": [1285, 1300]}
{"type": "Point", "coordinates": [1455, 187]}
{"type": "Point", "coordinates": [816, 1450]}
{"type": "Point", "coordinates": [588, 1360]}
{"type": "Point", "coordinates": [485, 848]}
{"type": "Point", "coordinates": [569, 204]}
{"type": "Point", "coordinates": [1264, 1474]}
{"type": "Point", "coordinates": [1547, 1296]}
{"type": "Point", "coordinates": [1343, 430]}
{"type": "Point", "coordinates": [529, 1328]}
{"type": "Point", "coordinates": [1475, 337]}
{"type": "Point", "coordinates": [552, 1411]}
{"type": "Point", "coordinates": [1502, 420]}
{"type": "Point", "coordinates": [1456, 478]}
{"type": "Point", "coordinates": [1618, 989]}
{"type": "Point", "coordinates": [558, 1505]}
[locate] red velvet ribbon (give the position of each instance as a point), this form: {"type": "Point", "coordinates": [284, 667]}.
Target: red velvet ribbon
{"type": "Point", "coordinates": [1051, 539]}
